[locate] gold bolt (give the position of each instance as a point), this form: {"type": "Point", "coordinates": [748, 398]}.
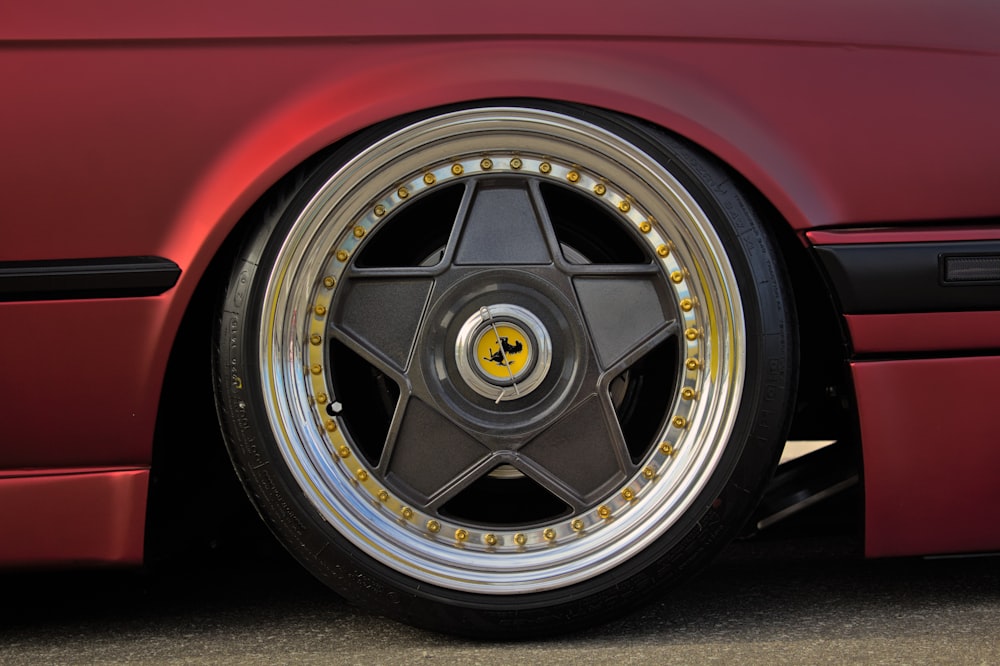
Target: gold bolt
{"type": "Point", "coordinates": [677, 277]}
{"type": "Point", "coordinates": [491, 539]}
{"type": "Point", "coordinates": [691, 334]}
{"type": "Point", "coordinates": [649, 472]}
{"type": "Point", "coordinates": [402, 193]}
{"type": "Point", "coordinates": [645, 227]}
{"type": "Point", "coordinates": [663, 251]}
{"type": "Point", "coordinates": [516, 163]}
{"type": "Point", "coordinates": [686, 304]}
{"type": "Point", "coordinates": [316, 369]}
{"type": "Point", "coordinates": [549, 534]}
{"type": "Point", "coordinates": [457, 169]}
{"type": "Point", "coordinates": [383, 496]}
{"type": "Point", "coordinates": [316, 339]}
{"type": "Point", "coordinates": [329, 282]}
{"type": "Point", "coordinates": [429, 178]}
{"type": "Point", "coordinates": [692, 364]}
{"type": "Point", "coordinates": [680, 422]}
{"type": "Point", "coordinates": [667, 449]}
{"type": "Point", "coordinates": [572, 176]}
{"type": "Point", "coordinates": [433, 526]}
{"type": "Point", "coordinates": [688, 393]}
{"type": "Point", "coordinates": [320, 310]}
{"type": "Point", "coordinates": [343, 451]}
{"type": "Point", "coordinates": [379, 212]}
{"type": "Point", "coordinates": [604, 512]}
{"type": "Point", "coordinates": [330, 425]}
{"type": "Point", "coordinates": [624, 206]}
{"type": "Point", "coordinates": [343, 255]}
{"type": "Point", "coordinates": [321, 398]}
{"type": "Point", "coordinates": [545, 167]}
{"type": "Point", "coordinates": [600, 189]}
{"type": "Point", "coordinates": [577, 525]}
{"type": "Point", "coordinates": [520, 539]}
{"type": "Point", "coordinates": [461, 535]}
{"type": "Point", "coordinates": [628, 494]}
{"type": "Point", "coordinates": [486, 164]}
{"type": "Point", "coordinates": [407, 512]}
{"type": "Point", "coordinates": [361, 474]}
{"type": "Point", "coordinates": [359, 232]}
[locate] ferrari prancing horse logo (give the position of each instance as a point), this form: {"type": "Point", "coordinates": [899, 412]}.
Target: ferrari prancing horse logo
{"type": "Point", "coordinates": [503, 349]}
{"type": "Point", "coordinates": [506, 349]}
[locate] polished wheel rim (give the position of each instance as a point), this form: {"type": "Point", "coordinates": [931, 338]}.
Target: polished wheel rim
{"type": "Point", "coordinates": [614, 365]}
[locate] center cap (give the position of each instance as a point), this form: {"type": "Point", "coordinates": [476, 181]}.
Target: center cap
{"type": "Point", "coordinates": [503, 352]}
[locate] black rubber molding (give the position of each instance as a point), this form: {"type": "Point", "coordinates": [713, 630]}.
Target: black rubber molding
{"type": "Point", "coordinates": [890, 278]}
{"type": "Point", "coordinates": [72, 279]}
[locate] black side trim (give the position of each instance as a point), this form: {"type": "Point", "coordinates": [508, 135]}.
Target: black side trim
{"type": "Point", "coordinates": [890, 278]}
{"type": "Point", "coordinates": [928, 355]}
{"type": "Point", "coordinates": [114, 277]}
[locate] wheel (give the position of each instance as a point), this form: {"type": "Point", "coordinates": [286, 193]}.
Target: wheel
{"type": "Point", "coordinates": [506, 370]}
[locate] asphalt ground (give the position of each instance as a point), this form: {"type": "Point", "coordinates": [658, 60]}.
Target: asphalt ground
{"type": "Point", "coordinates": [799, 593]}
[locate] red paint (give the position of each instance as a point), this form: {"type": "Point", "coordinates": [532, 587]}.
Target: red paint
{"type": "Point", "coordinates": [81, 381]}
{"type": "Point", "coordinates": [929, 433]}
{"type": "Point", "coordinates": [158, 148]}
{"type": "Point", "coordinates": [904, 235]}
{"type": "Point", "coordinates": [72, 519]}
{"type": "Point", "coordinates": [924, 332]}
{"type": "Point", "coordinates": [937, 24]}
{"type": "Point", "coordinates": [168, 143]}
{"type": "Point", "coordinates": [150, 129]}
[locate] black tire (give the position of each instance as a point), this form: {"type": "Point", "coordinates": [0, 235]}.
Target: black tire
{"type": "Point", "coordinates": [418, 461]}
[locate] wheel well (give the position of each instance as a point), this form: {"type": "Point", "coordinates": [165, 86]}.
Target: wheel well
{"type": "Point", "coordinates": [194, 492]}
{"type": "Point", "coordinates": [824, 396]}
{"type": "Point", "coordinates": [196, 502]}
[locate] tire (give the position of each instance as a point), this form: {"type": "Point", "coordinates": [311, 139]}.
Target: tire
{"type": "Point", "coordinates": [506, 370]}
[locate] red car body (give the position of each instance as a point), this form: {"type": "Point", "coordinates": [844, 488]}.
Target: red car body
{"type": "Point", "coordinates": [133, 130]}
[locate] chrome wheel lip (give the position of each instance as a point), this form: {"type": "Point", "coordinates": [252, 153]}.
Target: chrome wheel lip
{"type": "Point", "coordinates": [342, 488]}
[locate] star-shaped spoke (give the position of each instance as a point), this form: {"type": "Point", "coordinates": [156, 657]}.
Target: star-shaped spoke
{"type": "Point", "coordinates": [429, 454]}
{"type": "Point", "coordinates": [378, 318]}
{"type": "Point", "coordinates": [504, 223]}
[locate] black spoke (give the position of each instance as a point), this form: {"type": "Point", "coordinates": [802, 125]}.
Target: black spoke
{"type": "Point", "coordinates": [429, 454]}
{"type": "Point", "coordinates": [380, 317]}
{"type": "Point", "coordinates": [622, 313]}
{"type": "Point", "coordinates": [643, 346]}
{"type": "Point", "coordinates": [583, 454]}
{"type": "Point", "coordinates": [502, 226]}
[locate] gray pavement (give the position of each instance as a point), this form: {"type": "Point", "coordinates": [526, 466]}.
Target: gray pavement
{"type": "Point", "coordinates": [792, 598]}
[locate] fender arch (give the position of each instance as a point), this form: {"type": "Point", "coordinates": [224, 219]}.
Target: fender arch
{"type": "Point", "coordinates": [331, 108]}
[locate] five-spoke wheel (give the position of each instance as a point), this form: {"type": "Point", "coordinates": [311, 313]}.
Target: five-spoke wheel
{"type": "Point", "coordinates": [486, 363]}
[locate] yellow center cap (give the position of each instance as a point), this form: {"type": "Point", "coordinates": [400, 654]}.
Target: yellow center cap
{"type": "Point", "coordinates": [503, 352]}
